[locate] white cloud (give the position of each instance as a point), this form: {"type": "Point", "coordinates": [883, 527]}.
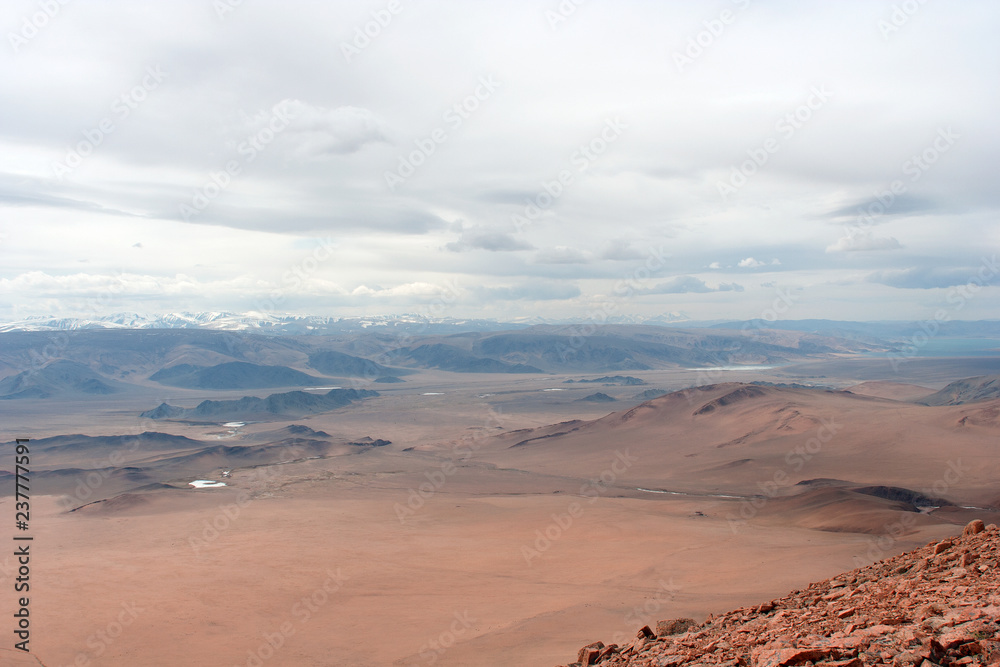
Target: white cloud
{"type": "Point", "coordinates": [317, 131]}
{"type": "Point", "coordinates": [478, 237]}
{"type": "Point", "coordinates": [689, 285]}
{"type": "Point", "coordinates": [620, 250]}
{"type": "Point", "coordinates": [562, 255]}
{"type": "Point", "coordinates": [864, 241]}
{"type": "Point", "coordinates": [647, 201]}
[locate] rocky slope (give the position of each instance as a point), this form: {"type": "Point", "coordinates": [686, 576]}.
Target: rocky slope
{"type": "Point", "coordinates": [938, 605]}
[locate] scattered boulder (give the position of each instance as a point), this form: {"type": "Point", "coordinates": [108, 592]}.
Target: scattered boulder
{"type": "Point", "coordinates": [674, 626]}
{"type": "Point", "coordinates": [589, 653]}
{"type": "Point", "coordinates": [974, 527]}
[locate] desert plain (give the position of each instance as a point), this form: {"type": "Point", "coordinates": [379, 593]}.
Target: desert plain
{"type": "Point", "coordinates": [477, 518]}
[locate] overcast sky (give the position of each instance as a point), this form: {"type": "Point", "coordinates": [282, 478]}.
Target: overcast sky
{"type": "Point", "coordinates": [502, 160]}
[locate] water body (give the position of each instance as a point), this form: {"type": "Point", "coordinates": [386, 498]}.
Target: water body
{"type": "Point", "coordinates": [733, 368]}
{"type": "Point", "coordinates": [691, 495]}
{"type": "Point", "coordinates": [956, 347]}
{"type": "Point", "coordinates": [206, 484]}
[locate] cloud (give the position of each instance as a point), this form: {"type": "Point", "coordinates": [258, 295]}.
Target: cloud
{"type": "Point", "coordinates": [418, 289]}
{"type": "Point", "coordinates": [714, 265]}
{"type": "Point", "coordinates": [923, 278]}
{"type": "Point", "coordinates": [620, 250]}
{"type": "Point", "coordinates": [750, 263]}
{"type": "Point", "coordinates": [533, 292]}
{"type": "Point", "coordinates": [689, 285]}
{"type": "Point", "coordinates": [480, 238]}
{"type": "Point", "coordinates": [318, 132]}
{"type": "Point", "coordinates": [562, 255]}
{"type": "Point", "coordinates": [864, 241]}
{"type": "Point", "coordinates": [871, 209]}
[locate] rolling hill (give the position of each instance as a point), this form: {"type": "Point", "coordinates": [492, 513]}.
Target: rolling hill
{"type": "Point", "coordinates": [969, 390]}
{"type": "Point", "coordinates": [742, 439]}
{"type": "Point", "coordinates": [58, 378]}
{"type": "Point", "coordinates": [252, 408]}
{"type": "Point", "coordinates": [234, 375]}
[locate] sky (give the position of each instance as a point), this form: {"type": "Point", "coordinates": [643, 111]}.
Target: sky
{"type": "Point", "coordinates": [526, 160]}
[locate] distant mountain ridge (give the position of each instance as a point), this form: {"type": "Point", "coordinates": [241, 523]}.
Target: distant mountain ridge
{"type": "Point", "coordinates": [288, 404]}
{"type": "Point", "coordinates": [283, 323]}
{"type": "Point", "coordinates": [59, 377]}
{"type": "Point", "coordinates": [234, 375]}
{"type": "Point", "coordinates": [261, 323]}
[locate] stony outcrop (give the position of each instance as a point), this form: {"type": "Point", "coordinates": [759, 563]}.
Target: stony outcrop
{"type": "Point", "coordinates": [936, 606]}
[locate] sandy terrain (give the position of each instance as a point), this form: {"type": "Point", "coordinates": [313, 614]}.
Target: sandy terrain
{"type": "Point", "coordinates": [453, 547]}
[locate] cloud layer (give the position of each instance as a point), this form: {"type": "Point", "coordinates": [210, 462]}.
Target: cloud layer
{"type": "Point", "coordinates": [195, 155]}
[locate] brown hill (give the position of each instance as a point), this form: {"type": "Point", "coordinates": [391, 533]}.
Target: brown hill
{"type": "Point", "coordinates": [969, 390]}
{"type": "Point", "coordinates": [745, 440]}
{"type": "Point", "coordinates": [938, 605]}
{"type": "Point", "coordinates": [897, 391]}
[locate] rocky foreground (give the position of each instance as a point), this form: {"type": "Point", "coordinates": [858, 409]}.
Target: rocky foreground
{"type": "Point", "coordinates": [938, 605]}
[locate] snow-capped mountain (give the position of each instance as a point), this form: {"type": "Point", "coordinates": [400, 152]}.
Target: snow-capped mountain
{"type": "Point", "coordinates": [266, 323]}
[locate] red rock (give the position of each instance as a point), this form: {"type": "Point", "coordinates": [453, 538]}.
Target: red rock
{"type": "Point", "coordinates": [674, 626]}
{"type": "Point", "coordinates": [789, 656]}
{"type": "Point", "coordinates": [588, 654]}
{"type": "Point", "coordinates": [907, 659]}
{"type": "Point", "coordinates": [904, 611]}
{"type": "Point", "coordinates": [974, 527]}
{"type": "Point", "coordinates": [956, 637]}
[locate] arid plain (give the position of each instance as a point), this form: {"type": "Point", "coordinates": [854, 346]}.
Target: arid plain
{"type": "Point", "coordinates": [508, 522]}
